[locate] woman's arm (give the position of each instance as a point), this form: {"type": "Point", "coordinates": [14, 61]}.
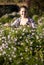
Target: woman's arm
{"type": "Point", "coordinates": [16, 23]}
{"type": "Point", "coordinates": [31, 23]}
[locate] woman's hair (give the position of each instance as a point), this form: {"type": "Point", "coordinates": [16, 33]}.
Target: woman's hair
{"type": "Point", "coordinates": [24, 7]}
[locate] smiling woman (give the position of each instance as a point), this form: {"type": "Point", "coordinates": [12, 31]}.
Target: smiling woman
{"type": "Point", "coordinates": [24, 18]}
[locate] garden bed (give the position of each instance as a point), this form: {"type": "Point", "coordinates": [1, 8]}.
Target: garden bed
{"type": "Point", "coordinates": [21, 46]}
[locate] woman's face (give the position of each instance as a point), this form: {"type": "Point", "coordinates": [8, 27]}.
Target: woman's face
{"type": "Point", "coordinates": [23, 12]}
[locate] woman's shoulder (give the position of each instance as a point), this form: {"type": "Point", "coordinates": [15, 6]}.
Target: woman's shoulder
{"type": "Point", "coordinates": [30, 19]}
{"type": "Point", "coordinates": [18, 19]}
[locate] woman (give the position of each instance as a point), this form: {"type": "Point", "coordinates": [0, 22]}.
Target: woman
{"type": "Point", "coordinates": [24, 18]}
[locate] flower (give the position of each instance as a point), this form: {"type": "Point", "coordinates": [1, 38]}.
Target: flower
{"type": "Point", "coordinates": [3, 45]}
{"type": "Point", "coordinates": [26, 49]}
{"type": "Point", "coordinates": [21, 54]}
{"type": "Point", "coordinates": [8, 36]}
{"type": "Point", "coordinates": [15, 39]}
{"type": "Point", "coordinates": [23, 34]}
{"type": "Point", "coordinates": [24, 29]}
{"type": "Point", "coordinates": [16, 31]}
{"type": "Point", "coordinates": [13, 52]}
{"type": "Point", "coordinates": [10, 58]}
{"type": "Point", "coordinates": [21, 57]}
{"type": "Point", "coordinates": [4, 52]}
{"type": "Point", "coordinates": [14, 56]}
{"type": "Point", "coordinates": [3, 38]}
{"type": "Point", "coordinates": [22, 43]}
{"type": "Point", "coordinates": [20, 37]}
{"type": "Point", "coordinates": [37, 37]}
{"type": "Point", "coordinates": [14, 48]}
{"type": "Point", "coordinates": [26, 40]}
{"type": "Point", "coordinates": [36, 64]}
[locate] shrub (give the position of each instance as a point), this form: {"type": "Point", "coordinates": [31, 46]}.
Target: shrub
{"type": "Point", "coordinates": [5, 19]}
{"type": "Point", "coordinates": [8, 18]}
{"type": "Point", "coordinates": [41, 21]}
{"type": "Point", "coordinates": [21, 46]}
{"type": "Point", "coordinates": [35, 18]}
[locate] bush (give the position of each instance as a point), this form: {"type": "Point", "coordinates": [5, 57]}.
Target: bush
{"type": "Point", "coordinates": [8, 18]}
{"type": "Point", "coordinates": [5, 19]}
{"type": "Point", "coordinates": [21, 46]}
{"type": "Point", "coordinates": [41, 21]}
{"type": "Point", "coordinates": [35, 18]}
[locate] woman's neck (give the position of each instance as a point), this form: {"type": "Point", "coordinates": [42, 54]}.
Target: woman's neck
{"type": "Point", "coordinates": [24, 17]}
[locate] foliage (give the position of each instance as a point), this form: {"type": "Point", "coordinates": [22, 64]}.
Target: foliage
{"type": "Point", "coordinates": [4, 19]}
{"type": "Point", "coordinates": [21, 46]}
{"type": "Point", "coordinates": [35, 18]}
{"type": "Point", "coordinates": [8, 18]}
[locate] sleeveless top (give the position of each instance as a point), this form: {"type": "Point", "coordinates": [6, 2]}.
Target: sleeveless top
{"type": "Point", "coordinates": [16, 23]}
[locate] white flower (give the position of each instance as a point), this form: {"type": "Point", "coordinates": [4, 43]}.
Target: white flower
{"type": "Point", "coordinates": [20, 37]}
{"type": "Point", "coordinates": [15, 39]}
{"type": "Point", "coordinates": [40, 46]}
{"type": "Point", "coordinates": [3, 38]}
{"type": "Point", "coordinates": [18, 43]}
{"type": "Point", "coordinates": [1, 48]}
{"type": "Point", "coordinates": [12, 31]}
{"type": "Point", "coordinates": [3, 45]}
{"type": "Point", "coordinates": [23, 33]}
{"type": "Point", "coordinates": [4, 52]}
{"type": "Point", "coordinates": [13, 52]}
{"type": "Point", "coordinates": [31, 42]}
{"type": "Point", "coordinates": [37, 46]}
{"type": "Point", "coordinates": [26, 40]}
{"type": "Point", "coordinates": [31, 48]}
{"type": "Point", "coordinates": [14, 56]}
{"type": "Point", "coordinates": [33, 33]}
{"type": "Point", "coordinates": [8, 36]}
{"type": "Point", "coordinates": [22, 43]}
{"type": "Point", "coordinates": [21, 57]}
{"type": "Point", "coordinates": [37, 37]}
{"type": "Point", "coordinates": [26, 49]}
{"type": "Point", "coordinates": [24, 29]}
{"type": "Point", "coordinates": [10, 58]}
{"type": "Point", "coordinates": [16, 31]}
{"type": "Point", "coordinates": [21, 54]}
{"type": "Point", "coordinates": [8, 55]}
{"type": "Point", "coordinates": [14, 49]}
{"type": "Point", "coordinates": [6, 46]}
